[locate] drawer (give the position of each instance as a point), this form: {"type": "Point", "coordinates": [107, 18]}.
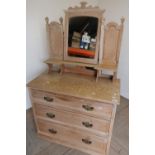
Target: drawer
{"type": "Point", "coordinates": [87, 106]}
{"type": "Point", "coordinates": [73, 119]}
{"type": "Point", "coordinates": [77, 138]}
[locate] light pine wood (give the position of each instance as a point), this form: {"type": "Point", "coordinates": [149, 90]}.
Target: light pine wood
{"type": "Point", "coordinates": [97, 68]}
{"type": "Point", "coordinates": [100, 109]}
{"type": "Point", "coordinates": [78, 111]}
{"type": "Point", "coordinates": [119, 143]}
{"type": "Point", "coordinates": [55, 37]}
{"type": "Point", "coordinates": [112, 43]}
{"type": "Point", "coordinates": [83, 119]}
{"type": "Point", "coordinates": [70, 145]}
{"type": "Point", "coordinates": [79, 70]}
{"type": "Point", "coordinates": [73, 136]}
{"type": "Point", "coordinates": [60, 62]}
{"type": "Point", "coordinates": [107, 49]}
{"type": "Point", "coordinates": [101, 41]}
{"type": "Point", "coordinates": [103, 112]}
{"type": "Point", "coordinates": [111, 129]}
{"type": "Point", "coordinates": [50, 66]}
{"type": "Point", "coordinates": [82, 10]}
{"type": "Point", "coordinates": [79, 86]}
{"type": "Point", "coordinates": [33, 109]}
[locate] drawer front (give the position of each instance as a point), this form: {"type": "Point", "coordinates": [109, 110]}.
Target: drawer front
{"type": "Point", "coordinates": [87, 106]}
{"type": "Point", "coordinates": [78, 120]}
{"type": "Point", "coordinates": [72, 136]}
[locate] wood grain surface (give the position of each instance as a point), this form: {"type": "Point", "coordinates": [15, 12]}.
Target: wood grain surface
{"type": "Point", "coordinates": [79, 86]}
{"type": "Point", "coordinates": [119, 144]}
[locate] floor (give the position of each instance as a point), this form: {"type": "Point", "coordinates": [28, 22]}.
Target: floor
{"type": "Point", "coordinates": [119, 143]}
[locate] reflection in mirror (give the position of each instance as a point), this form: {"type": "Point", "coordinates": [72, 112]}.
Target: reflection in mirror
{"type": "Point", "coordinates": [82, 36]}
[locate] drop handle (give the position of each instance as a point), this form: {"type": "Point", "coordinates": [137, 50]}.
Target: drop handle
{"type": "Point", "coordinates": [50, 115]}
{"type": "Point", "coordinates": [86, 141]}
{"type": "Point", "coordinates": [52, 131]}
{"type": "Point", "coordinates": [87, 124]}
{"type": "Point", "coordinates": [88, 108]}
{"type": "Point", "coordinates": [48, 99]}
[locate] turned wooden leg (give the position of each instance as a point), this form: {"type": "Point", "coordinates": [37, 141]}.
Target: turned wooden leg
{"type": "Point", "coordinates": [97, 75]}
{"type": "Point", "coordinates": [62, 69]}
{"type": "Point", "coordinates": [50, 68]}
{"type": "Point", "coordinates": [114, 75]}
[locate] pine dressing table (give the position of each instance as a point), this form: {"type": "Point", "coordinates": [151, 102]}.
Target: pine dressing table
{"type": "Point", "coordinates": [75, 107]}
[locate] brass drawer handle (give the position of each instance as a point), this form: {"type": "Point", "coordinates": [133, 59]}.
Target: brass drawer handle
{"type": "Point", "coordinates": [87, 124]}
{"type": "Point", "coordinates": [86, 141]}
{"type": "Point", "coordinates": [52, 131]}
{"type": "Point", "coordinates": [49, 99]}
{"type": "Point", "coordinates": [50, 115]}
{"type": "Point", "coordinates": [88, 108]}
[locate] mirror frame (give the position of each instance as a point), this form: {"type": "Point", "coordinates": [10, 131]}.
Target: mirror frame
{"type": "Point", "coordinates": [83, 11]}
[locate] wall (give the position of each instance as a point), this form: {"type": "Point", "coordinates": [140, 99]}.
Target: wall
{"type": "Point", "coordinates": [36, 41]}
{"type": "Point", "coordinates": [114, 11]}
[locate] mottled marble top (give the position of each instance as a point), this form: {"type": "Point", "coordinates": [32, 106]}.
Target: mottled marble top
{"type": "Point", "coordinates": [86, 87]}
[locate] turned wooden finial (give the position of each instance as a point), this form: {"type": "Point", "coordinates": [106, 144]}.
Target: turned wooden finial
{"type": "Point", "coordinates": [103, 11]}
{"type": "Point", "coordinates": [122, 20]}
{"type": "Point", "coordinates": [61, 20]}
{"type": "Point", "coordinates": [83, 4]}
{"type": "Point", "coordinates": [103, 20]}
{"type": "Point", "coordinates": [47, 20]}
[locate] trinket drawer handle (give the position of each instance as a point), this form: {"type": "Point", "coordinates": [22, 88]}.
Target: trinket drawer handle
{"type": "Point", "coordinates": [88, 108]}
{"type": "Point", "coordinates": [50, 115]}
{"type": "Point", "coordinates": [52, 131]}
{"type": "Point", "coordinates": [86, 141]}
{"type": "Point", "coordinates": [87, 124]}
{"type": "Point", "coordinates": [49, 99]}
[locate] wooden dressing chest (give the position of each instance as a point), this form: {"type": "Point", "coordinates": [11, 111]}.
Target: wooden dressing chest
{"type": "Point", "coordinates": [75, 110]}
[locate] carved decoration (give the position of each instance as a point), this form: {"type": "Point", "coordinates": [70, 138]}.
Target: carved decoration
{"type": "Point", "coordinates": [61, 20]}
{"type": "Point", "coordinates": [112, 42]}
{"type": "Point", "coordinates": [55, 36]}
{"type": "Point", "coordinates": [84, 6]}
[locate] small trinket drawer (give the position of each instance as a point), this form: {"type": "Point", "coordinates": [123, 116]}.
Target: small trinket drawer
{"type": "Point", "coordinates": [79, 121]}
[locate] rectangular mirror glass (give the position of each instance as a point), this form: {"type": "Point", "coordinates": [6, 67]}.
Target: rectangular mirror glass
{"type": "Point", "coordinates": [82, 36]}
